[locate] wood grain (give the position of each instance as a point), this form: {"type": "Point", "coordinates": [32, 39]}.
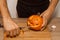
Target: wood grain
{"type": "Point", "coordinates": [29, 34]}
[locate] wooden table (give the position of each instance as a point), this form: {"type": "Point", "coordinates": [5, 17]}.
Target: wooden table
{"type": "Point", "coordinates": [34, 35]}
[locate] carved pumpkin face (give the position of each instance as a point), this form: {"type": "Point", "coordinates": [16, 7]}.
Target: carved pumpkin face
{"type": "Point", "coordinates": [35, 22]}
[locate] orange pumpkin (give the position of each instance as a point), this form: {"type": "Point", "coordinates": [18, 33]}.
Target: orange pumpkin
{"type": "Point", "coordinates": [35, 22]}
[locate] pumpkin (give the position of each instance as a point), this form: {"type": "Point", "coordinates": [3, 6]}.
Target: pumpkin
{"type": "Point", "coordinates": [35, 22]}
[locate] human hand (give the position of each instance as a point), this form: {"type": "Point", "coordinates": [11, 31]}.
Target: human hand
{"type": "Point", "coordinates": [45, 15]}
{"type": "Point", "coordinates": [11, 27]}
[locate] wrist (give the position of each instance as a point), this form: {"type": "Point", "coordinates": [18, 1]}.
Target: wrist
{"type": "Point", "coordinates": [7, 18]}
{"type": "Point", "coordinates": [4, 16]}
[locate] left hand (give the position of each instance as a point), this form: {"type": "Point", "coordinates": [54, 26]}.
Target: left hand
{"type": "Point", "coordinates": [45, 16]}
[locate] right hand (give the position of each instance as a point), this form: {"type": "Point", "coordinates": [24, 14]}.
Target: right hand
{"type": "Point", "coordinates": [11, 27]}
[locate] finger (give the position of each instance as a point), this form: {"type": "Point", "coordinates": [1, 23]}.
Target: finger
{"type": "Point", "coordinates": [15, 33]}
{"type": "Point", "coordinates": [44, 22]}
{"type": "Point", "coordinates": [11, 33]}
{"type": "Point", "coordinates": [41, 15]}
{"type": "Point", "coordinates": [18, 31]}
{"type": "Point", "coordinates": [7, 33]}
{"type": "Point", "coordinates": [43, 27]}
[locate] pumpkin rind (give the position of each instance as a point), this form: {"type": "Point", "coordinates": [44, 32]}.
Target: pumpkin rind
{"type": "Point", "coordinates": [35, 22]}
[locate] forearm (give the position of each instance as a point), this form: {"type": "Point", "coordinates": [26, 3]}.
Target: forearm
{"type": "Point", "coordinates": [51, 7]}
{"type": "Point", "coordinates": [4, 9]}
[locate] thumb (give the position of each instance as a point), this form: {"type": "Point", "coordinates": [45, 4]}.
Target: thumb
{"type": "Point", "coordinates": [41, 15]}
{"type": "Point", "coordinates": [44, 22]}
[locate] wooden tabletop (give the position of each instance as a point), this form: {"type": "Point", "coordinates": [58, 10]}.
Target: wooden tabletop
{"type": "Point", "coordinates": [36, 35]}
